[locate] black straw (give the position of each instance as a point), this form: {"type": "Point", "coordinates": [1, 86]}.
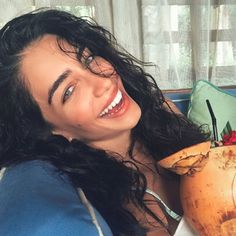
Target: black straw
{"type": "Point", "coordinates": [213, 120]}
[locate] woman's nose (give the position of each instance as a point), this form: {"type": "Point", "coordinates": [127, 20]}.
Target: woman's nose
{"type": "Point", "coordinates": [101, 84]}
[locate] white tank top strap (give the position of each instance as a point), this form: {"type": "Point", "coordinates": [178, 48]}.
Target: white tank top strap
{"type": "Point", "coordinates": [167, 209]}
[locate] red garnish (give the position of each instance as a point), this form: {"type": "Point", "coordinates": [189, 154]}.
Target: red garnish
{"type": "Point", "coordinates": [230, 138]}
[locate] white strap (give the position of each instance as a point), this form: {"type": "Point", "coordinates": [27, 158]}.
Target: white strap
{"type": "Point", "coordinates": [90, 210]}
{"type": "Point", "coordinates": [167, 209]}
{"type": "Point", "coordinates": [2, 172]}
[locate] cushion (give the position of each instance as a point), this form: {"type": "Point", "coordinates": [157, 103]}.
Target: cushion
{"type": "Point", "coordinates": [223, 105]}
{"type": "Point", "coordinates": [41, 201]}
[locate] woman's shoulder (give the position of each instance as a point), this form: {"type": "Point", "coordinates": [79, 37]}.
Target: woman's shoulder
{"type": "Point", "coordinates": [40, 201]}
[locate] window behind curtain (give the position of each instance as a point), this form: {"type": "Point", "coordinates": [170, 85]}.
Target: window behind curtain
{"type": "Point", "coordinates": [190, 40]}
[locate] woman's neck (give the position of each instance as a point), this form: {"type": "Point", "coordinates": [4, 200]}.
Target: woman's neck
{"type": "Point", "coordinates": [118, 144]}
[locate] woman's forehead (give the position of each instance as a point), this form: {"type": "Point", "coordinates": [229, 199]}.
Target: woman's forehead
{"type": "Point", "coordinates": [48, 42]}
{"type": "Point", "coordinates": [43, 62]}
{"type": "Point", "coordinates": [52, 44]}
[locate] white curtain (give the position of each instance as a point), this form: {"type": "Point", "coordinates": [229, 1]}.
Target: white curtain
{"type": "Point", "coordinates": [186, 40]}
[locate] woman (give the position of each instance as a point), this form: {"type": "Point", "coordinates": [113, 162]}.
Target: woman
{"type": "Point", "coordinates": [82, 128]}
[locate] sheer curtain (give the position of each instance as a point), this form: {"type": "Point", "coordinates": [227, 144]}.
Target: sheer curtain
{"type": "Point", "coordinates": [185, 40]}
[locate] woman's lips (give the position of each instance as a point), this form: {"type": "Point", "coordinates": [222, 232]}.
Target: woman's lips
{"type": "Point", "coordinates": [116, 100]}
{"type": "Point", "coordinates": [112, 97]}
{"type": "Point", "coordinates": [119, 109]}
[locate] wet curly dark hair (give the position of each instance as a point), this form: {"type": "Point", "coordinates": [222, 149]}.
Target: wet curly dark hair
{"type": "Point", "coordinates": [25, 135]}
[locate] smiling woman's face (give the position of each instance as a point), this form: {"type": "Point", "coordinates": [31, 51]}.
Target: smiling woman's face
{"type": "Point", "coordinates": [79, 103]}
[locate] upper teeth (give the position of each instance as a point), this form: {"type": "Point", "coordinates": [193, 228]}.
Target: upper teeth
{"type": "Point", "coordinates": [116, 100]}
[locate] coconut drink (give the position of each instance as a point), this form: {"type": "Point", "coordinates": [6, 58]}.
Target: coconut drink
{"type": "Point", "coordinates": [207, 187]}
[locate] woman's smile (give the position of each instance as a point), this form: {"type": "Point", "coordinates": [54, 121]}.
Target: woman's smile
{"type": "Point", "coordinates": [117, 107]}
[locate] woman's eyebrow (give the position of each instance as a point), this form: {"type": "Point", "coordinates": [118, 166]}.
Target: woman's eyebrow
{"type": "Point", "coordinates": [56, 84]}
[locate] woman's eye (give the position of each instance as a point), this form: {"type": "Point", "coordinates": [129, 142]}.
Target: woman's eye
{"type": "Point", "coordinates": [88, 60]}
{"type": "Point", "coordinates": [68, 93]}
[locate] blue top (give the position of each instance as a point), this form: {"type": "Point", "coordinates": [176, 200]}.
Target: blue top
{"type": "Point", "coordinates": [35, 200]}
